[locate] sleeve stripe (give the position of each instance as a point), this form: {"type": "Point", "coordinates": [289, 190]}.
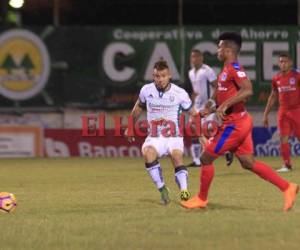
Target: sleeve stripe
{"type": "Point", "coordinates": [187, 109]}
{"type": "Point", "coordinates": [142, 104]}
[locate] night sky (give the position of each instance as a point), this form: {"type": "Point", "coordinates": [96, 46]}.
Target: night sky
{"type": "Point", "coordinates": [162, 12]}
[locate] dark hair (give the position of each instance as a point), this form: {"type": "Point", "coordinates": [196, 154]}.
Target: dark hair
{"type": "Point", "coordinates": [197, 51]}
{"type": "Point", "coordinates": [285, 54]}
{"type": "Point", "coordinates": [161, 65]}
{"type": "Point", "coordinates": [231, 37]}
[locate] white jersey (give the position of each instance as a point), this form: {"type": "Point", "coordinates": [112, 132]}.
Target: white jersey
{"type": "Point", "coordinates": [201, 83]}
{"type": "Point", "coordinates": [164, 105]}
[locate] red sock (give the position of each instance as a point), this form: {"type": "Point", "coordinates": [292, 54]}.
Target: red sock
{"type": "Point", "coordinates": [268, 174]}
{"type": "Point", "coordinates": [286, 153]}
{"type": "Point", "coordinates": [207, 175]}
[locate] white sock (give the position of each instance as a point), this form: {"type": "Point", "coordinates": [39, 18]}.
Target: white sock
{"type": "Point", "coordinates": [195, 152]}
{"type": "Point", "coordinates": [155, 173]}
{"type": "Point", "coordinates": [181, 177]}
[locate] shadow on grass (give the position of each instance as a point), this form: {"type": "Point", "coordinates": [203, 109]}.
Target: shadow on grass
{"type": "Point", "coordinates": [210, 207]}
{"type": "Point", "coordinates": [229, 174]}
{"type": "Point", "coordinates": [218, 206]}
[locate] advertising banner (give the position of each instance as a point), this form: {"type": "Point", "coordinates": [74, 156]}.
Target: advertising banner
{"type": "Point", "coordinates": [21, 141]}
{"type": "Point", "coordinates": [70, 142]}
{"type": "Point", "coordinates": [104, 67]}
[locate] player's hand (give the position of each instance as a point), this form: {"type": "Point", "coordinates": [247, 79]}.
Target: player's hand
{"type": "Point", "coordinates": [210, 106]}
{"type": "Point", "coordinates": [128, 137]}
{"type": "Point", "coordinates": [221, 111]}
{"type": "Point", "coordinates": [204, 112]}
{"type": "Point", "coordinates": [203, 140]}
{"type": "Point", "coordinates": [265, 121]}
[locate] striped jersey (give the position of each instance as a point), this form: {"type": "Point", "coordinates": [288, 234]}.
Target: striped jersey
{"type": "Point", "coordinates": [165, 106]}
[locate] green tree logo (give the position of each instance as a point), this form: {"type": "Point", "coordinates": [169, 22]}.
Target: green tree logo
{"type": "Point", "coordinates": [9, 64]}
{"type": "Point", "coordinates": [27, 64]}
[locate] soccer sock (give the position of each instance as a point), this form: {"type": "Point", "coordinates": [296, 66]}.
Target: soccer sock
{"type": "Point", "coordinates": [181, 177]}
{"type": "Point", "coordinates": [195, 150]}
{"type": "Point", "coordinates": [268, 174]}
{"type": "Point", "coordinates": [207, 175]}
{"type": "Point", "coordinates": [286, 153]}
{"type": "Point", "coordinates": [155, 172]}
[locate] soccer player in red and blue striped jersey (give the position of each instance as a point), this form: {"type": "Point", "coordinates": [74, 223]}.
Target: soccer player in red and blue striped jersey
{"type": "Point", "coordinates": [235, 134]}
{"type": "Point", "coordinates": [285, 89]}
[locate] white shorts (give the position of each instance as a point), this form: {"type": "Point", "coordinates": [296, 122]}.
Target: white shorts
{"type": "Point", "coordinates": [164, 145]}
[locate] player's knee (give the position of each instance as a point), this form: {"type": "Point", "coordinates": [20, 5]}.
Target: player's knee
{"type": "Point", "coordinates": [149, 154]}
{"type": "Point", "coordinates": [177, 158]}
{"type": "Point", "coordinates": [206, 159]}
{"type": "Point", "coordinates": [246, 164]}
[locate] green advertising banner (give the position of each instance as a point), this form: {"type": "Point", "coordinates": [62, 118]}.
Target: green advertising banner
{"type": "Point", "coordinates": [104, 67]}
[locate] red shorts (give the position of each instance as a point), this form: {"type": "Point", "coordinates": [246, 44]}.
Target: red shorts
{"type": "Point", "coordinates": [289, 122]}
{"type": "Point", "coordinates": [234, 136]}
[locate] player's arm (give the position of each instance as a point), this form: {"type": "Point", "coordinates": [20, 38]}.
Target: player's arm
{"type": "Point", "coordinates": [244, 92]}
{"type": "Point", "coordinates": [214, 86]}
{"type": "Point", "coordinates": [210, 105]}
{"type": "Point", "coordinates": [135, 114]}
{"type": "Point", "coordinates": [273, 97]}
{"type": "Point", "coordinates": [196, 115]}
{"type": "Point", "coordinates": [213, 80]}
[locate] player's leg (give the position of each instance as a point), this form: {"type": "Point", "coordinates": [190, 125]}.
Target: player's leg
{"type": "Point", "coordinates": [285, 129]}
{"type": "Point", "coordinates": [207, 173]}
{"type": "Point", "coordinates": [289, 126]}
{"type": "Point", "coordinates": [175, 147]}
{"type": "Point", "coordinates": [285, 154]}
{"type": "Point", "coordinates": [267, 173]}
{"type": "Point", "coordinates": [228, 138]}
{"type": "Point", "coordinates": [181, 174]}
{"type": "Point", "coordinates": [195, 150]}
{"type": "Point", "coordinates": [151, 152]}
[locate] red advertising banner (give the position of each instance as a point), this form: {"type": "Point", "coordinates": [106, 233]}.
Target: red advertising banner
{"type": "Point", "coordinates": [70, 142]}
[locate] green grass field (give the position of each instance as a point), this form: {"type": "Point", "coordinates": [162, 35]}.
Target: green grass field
{"type": "Point", "coordinates": [112, 204]}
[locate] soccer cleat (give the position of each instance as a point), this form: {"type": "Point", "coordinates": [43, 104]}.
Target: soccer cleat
{"type": "Point", "coordinates": [194, 164]}
{"type": "Point", "coordinates": [194, 202]}
{"type": "Point", "coordinates": [185, 195]}
{"type": "Point", "coordinates": [164, 195]}
{"type": "Point", "coordinates": [284, 169]}
{"type": "Point", "coordinates": [229, 158]}
{"type": "Point", "coordinates": [290, 196]}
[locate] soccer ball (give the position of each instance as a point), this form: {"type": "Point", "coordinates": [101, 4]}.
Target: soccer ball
{"type": "Point", "coordinates": [8, 202]}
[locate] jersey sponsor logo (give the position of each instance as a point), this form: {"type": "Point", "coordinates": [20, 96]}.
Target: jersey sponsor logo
{"type": "Point", "coordinates": [241, 74]}
{"type": "Point", "coordinates": [223, 76]}
{"type": "Point", "coordinates": [24, 64]}
{"type": "Point", "coordinates": [292, 81]}
{"type": "Point", "coordinates": [286, 89]}
{"type": "Point", "coordinates": [221, 88]}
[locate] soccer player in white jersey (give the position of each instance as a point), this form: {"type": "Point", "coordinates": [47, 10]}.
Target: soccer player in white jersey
{"type": "Point", "coordinates": [203, 80]}
{"type": "Point", "coordinates": [163, 101]}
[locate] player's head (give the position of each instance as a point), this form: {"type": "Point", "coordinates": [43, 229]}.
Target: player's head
{"type": "Point", "coordinates": [229, 44]}
{"type": "Point", "coordinates": [161, 74]}
{"type": "Point", "coordinates": [196, 58]}
{"type": "Point", "coordinates": [285, 62]}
